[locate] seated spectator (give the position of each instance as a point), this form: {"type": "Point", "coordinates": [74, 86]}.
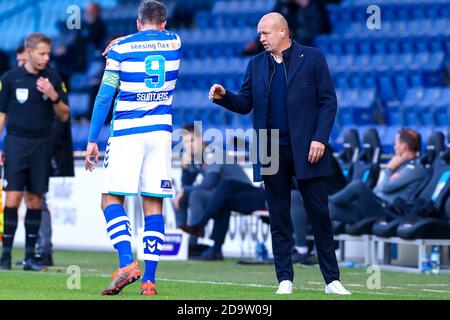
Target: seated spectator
{"type": "Point", "coordinates": [306, 18]}
{"type": "Point", "coordinates": [229, 195]}
{"type": "Point", "coordinates": [195, 198]}
{"type": "Point", "coordinates": [79, 47]}
{"type": "Point", "coordinates": [404, 174]}
{"type": "Point", "coordinates": [311, 20]}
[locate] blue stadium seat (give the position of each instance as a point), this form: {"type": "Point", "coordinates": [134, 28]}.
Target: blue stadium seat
{"type": "Point", "coordinates": [80, 133]}
{"type": "Point", "coordinates": [386, 88]}
{"type": "Point", "coordinates": [392, 113]}
{"type": "Point", "coordinates": [441, 109]}
{"type": "Point", "coordinates": [388, 139]}
{"type": "Point", "coordinates": [79, 104]}
{"type": "Point", "coordinates": [401, 85]}
{"type": "Point", "coordinates": [433, 73]}
{"type": "Point", "coordinates": [364, 107]}
{"type": "Point", "coordinates": [413, 96]}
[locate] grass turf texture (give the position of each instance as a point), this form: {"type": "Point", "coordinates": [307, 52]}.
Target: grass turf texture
{"type": "Point", "coordinates": [197, 280]}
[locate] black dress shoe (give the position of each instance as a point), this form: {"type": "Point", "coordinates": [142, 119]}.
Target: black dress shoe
{"type": "Point", "coordinates": [33, 265]}
{"type": "Point", "coordinates": [196, 250]}
{"type": "Point", "coordinates": [46, 259]}
{"type": "Point", "coordinates": [196, 230]}
{"type": "Point", "coordinates": [305, 259]}
{"type": "Point", "coordinates": [5, 264]}
{"type": "Point", "coordinates": [210, 255]}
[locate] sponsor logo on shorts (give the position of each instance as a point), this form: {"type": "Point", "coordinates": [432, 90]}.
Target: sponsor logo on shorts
{"type": "Point", "coordinates": [166, 184]}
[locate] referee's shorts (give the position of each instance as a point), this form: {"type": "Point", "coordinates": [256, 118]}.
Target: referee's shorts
{"type": "Point", "coordinates": [28, 164]}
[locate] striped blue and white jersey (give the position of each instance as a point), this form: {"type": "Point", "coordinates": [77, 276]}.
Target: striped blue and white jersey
{"type": "Point", "coordinates": [147, 63]}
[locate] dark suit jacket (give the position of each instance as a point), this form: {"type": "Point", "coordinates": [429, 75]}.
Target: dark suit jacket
{"type": "Point", "coordinates": [311, 105]}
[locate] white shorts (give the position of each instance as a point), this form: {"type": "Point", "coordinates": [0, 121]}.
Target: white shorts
{"type": "Point", "coordinates": [139, 164]}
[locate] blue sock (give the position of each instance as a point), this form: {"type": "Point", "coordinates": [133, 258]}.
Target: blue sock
{"type": "Point", "coordinates": [153, 242]}
{"type": "Point", "coordinates": [118, 228]}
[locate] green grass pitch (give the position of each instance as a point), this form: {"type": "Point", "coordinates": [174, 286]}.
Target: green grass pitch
{"type": "Point", "coordinates": [195, 280]}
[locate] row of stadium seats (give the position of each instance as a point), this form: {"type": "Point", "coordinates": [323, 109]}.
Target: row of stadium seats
{"type": "Point", "coordinates": [223, 35]}
{"type": "Point", "coordinates": [391, 84]}
{"type": "Point", "coordinates": [385, 133]}
{"type": "Point", "coordinates": [242, 6]}
{"type": "Point", "coordinates": [246, 13]}
{"type": "Point", "coordinates": [392, 10]}
{"type": "Point", "coordinates": [379, 63]}
{"type": "Point", "coordinates": [390, 44]}
{"type": "Point", "coordinates": [346, 3]}
{"type": "Point", "coordinates": [421, 107]}
{"type": "Point", "coordinates": [425, 61]}
{"type": "Point", "coordinates": [399, 28]}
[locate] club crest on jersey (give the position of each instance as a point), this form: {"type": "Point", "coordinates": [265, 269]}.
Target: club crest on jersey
{"type": "Point", "coordinates": [21, 95]}
{"type": "Point", "coordinates": [166, 184]}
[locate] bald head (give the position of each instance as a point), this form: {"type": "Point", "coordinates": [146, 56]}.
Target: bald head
{"type": "Point", "coordinates": [273, 31]}
{"type": "Point", "coordinates": [276, 19]}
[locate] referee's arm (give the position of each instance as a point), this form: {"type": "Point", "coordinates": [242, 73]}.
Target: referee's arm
{"type": "Point", "coordinates": [56, 96]}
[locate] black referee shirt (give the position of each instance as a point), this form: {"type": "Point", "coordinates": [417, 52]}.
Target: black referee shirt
{"type": "Point", "coordinates": [29, 112]}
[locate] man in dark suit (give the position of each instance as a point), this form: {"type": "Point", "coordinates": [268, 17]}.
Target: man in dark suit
{"type": "Point", "coordinates": [290, 89]}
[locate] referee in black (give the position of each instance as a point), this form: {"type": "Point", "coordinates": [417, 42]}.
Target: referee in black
{"type": "Point", "coordinates": [30, 98]}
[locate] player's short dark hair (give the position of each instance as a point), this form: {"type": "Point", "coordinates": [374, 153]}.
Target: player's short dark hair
{"type": "Point", "coordinates": [35, 38]}
{"type": "Point", "coordinates": [151, 11]}
{"type": "Point", "coordinates": [191, 129]}
{"type": "Point", "coordinates": [411, 138]}
{"type": "Point", "coordinates": [20, 49]}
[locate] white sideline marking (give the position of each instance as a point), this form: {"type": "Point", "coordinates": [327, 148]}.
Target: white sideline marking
{"type": "Point", "coordinates": [428, 285]}
{"type": "Point", "coordinates": [346, 285]}
{"type": "Point", "coordinates": [315, 283]}
{"type": "Point", "coordinates": [354, 274]}
{"type": "Point", "coordinates": [438, 291]}
{"type": "Point", "coordinates": [255, 285]}
{"type": "Point", "coordinates": [220, 283]}
{"type": "Point", "coordinates": [355, 285]}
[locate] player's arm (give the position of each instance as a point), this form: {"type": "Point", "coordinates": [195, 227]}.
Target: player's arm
{"type": "Point", "coordinates": [242, 102]}
{"type": "Point", "coordinates": [103, 102]}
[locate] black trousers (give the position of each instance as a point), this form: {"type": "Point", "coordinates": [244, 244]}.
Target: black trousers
{"type": "Point", "coordinates": [315, 199]}
{"type": "Point", "coordinates": [231, 195]}
{"type": "Point", "coordinates": [355, 202]}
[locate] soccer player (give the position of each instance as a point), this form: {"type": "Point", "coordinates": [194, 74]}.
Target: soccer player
{"type": "Point", "coordinates": [144, 68]}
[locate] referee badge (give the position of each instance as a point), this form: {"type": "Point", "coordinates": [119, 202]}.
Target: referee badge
{"type": "Point", "coordinates": [21, 95]}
